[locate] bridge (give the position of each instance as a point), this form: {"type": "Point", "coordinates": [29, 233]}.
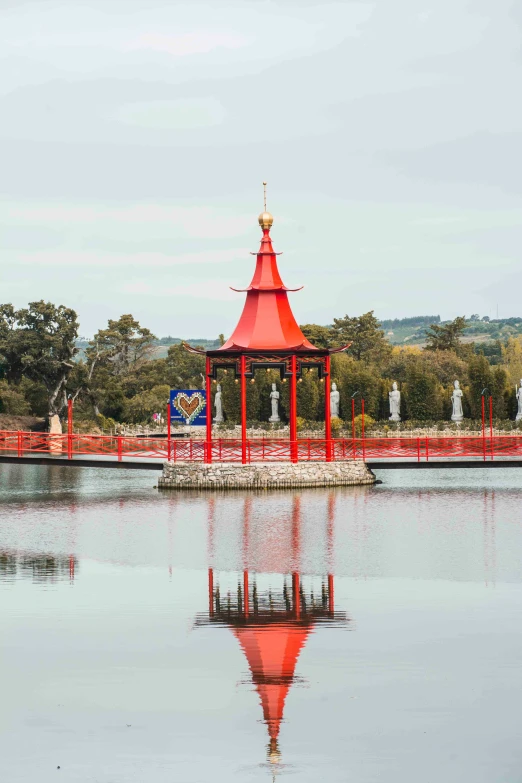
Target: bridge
{"type": "Point", "coordinates": [149, 453]}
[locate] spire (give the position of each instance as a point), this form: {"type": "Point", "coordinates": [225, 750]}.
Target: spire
{"type": "Point", "coordinates": [265, 218]}
{"type": "Point", "coordinates": [267, 322]}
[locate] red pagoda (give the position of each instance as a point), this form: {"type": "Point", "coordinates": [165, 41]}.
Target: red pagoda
{"type": "Point", "coordinates": [267, 336]}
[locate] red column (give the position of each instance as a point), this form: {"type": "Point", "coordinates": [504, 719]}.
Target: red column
{"type": "Point", "coordinates": [491, 424]}
{"type": "Point", "coordinates": [245, 591]}
{"type": "Point", "coordinates": [330, 545]}
{"type": "Point", "coordinates": [327, 419]}
{"type": "Point", "coordinates": [243, 410]}
{"type": "Point", "coordinates": [362, 431]}
{"type": "Point", "coordinates": [208, 449]}
{"type": "Point", "coordinates": [296, 595]}
{"type": "Point", "coordinates": [211, 592]}
{"type": "Point", "coordinates": [293, 411]}
{"type": "Point", "coordinates": [169, 432]}
{"type": "Point", "coordinates": [330, 594]}
{"type": "Point", "coordinates": [353, 427]}
{"type": "Point", "coordinates": [483, 428]}
{"type": "Point", "coordinates": [69, 427]}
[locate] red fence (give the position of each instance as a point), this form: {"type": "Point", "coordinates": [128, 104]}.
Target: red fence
{"type": "Point", "coordinates": [262, 449]}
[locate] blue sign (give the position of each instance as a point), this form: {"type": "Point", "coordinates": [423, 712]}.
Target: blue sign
{"type": "Point", "coordinates": [188, 406]}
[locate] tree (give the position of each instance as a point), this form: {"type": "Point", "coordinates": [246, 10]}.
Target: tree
{"type": "Point", "coordinates": [124, 345]}
{"type": "Point", "coordinates": [10, 353]}
{"type": "Point", "coordinates": [423, 395]}
{"type": "Point", "coordinates": [308, 396]}
{"type": "Point", "coordinates": [351, 377]}
{"type": "Point", "coordinates": [142, 406]}
{"type": "Point", "coordinates": [445, 337]}
{"type": "Point", "coordinates": [480, 378]}
{"type": "Point", "coordinates": [512, 358]}
{"type": "Point", "coordinates": [12, 401]}
{"type": "Point", "coordinates": [364, 332]}
{"type": "Point", "coordinates": [320, 336]}
{"type": "Point", "coordinates": [185, 369]}
{"type": "Point", "coordinates": [38, 343]}
{"type": "Point", "coordinates": [113, 354]}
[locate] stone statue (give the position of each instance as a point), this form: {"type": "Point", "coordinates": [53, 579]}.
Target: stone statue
{"type": "Point", "coordinates": [456, 399]}
{"type": "Point", "coordinates": [334, 401]}
{"type": "Point", "coordinates": [274, 398]}
{"type": "Point", "coordinates": [519, 398]}
{"type": "Point", "coordinates": [395, 403]}
{"type": "Point", "coordinates": [55, 432]}
{"type": "Point", "coordinates": [218, 404]}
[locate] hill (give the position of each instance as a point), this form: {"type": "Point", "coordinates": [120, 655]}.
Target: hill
{"type": "Point", "coordinates": [411, 331]}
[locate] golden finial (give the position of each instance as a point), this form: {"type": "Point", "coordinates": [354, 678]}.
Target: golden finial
{"type": "Point", "coordinates": [274, 757]}
{"type": "Point", "coordinates": [265, 218]}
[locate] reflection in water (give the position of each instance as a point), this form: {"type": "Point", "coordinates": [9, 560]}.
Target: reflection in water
{"type": "Point", "coordinates": [436, 648]}
{"type": "Point", "coordinates": [272, 625]}
{"type": "Point", "coordinates": [39, 568]}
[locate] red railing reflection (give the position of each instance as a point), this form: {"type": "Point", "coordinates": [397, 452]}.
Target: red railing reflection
{"type": "Point", "coordinates": [262, 449]}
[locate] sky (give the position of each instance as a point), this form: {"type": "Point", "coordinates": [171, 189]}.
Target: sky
{"type": "Point", "coordinates": [135, 135]}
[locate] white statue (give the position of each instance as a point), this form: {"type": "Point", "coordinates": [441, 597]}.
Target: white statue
{"type": "Point", "coordinates": [395, 403]}
{"type": "Point", "coordinates": [274, 398]}
{"type": "Point", "coordinates": [218, 404]}
{"type": "Point", "coordinates": [519, 398]}
{"type": "Point", "coordinates": [456, 399]}
{"type": "Point", "coordinates": [334, 401]}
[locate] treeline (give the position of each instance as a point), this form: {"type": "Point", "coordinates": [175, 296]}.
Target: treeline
{"type": "Point", "coordinates": [116, 377]}
{"type": "Point", "coordinates": [417, 320]}
{"type": "Point", "coordinates": [202, 341]}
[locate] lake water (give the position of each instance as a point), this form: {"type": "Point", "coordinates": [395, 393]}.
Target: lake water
{"type": "Point", "coordinates": [381, 640]}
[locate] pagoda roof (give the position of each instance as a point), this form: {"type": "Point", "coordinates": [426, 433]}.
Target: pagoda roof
{"type": "Point", "coordinates": [272, 653]}
{"type": "Point", "coordinates": [267, 322]}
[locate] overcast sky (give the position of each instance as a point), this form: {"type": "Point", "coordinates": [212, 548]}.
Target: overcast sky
{"type": "Point", "coordinates": [135, 134]}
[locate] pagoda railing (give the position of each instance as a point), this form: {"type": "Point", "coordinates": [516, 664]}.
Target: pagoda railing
{"type": "Point", "coordinates": [260, 449]}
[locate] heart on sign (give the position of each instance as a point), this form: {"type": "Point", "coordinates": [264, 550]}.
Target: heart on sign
{"type": "Point", "coordinates": [190, 406]}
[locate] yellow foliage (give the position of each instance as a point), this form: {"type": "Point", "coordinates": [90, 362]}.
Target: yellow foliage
{"type": "Point", "coordinates": [512, 356]}
{"type": "Point", "coordinates": [301, 423]}
{"type": "Point", "coordinates": [337, 425]}
{"type": "Point", "coordinates": [408, 350]}
{"type": "Point", "coordinates": [368, 422]}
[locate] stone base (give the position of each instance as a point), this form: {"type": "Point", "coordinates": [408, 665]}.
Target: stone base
{"type": "Point", "coordinates": [263, 475]}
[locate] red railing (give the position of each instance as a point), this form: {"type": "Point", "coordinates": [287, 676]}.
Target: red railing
{"type": "Point", "coordinates": [262, 449]}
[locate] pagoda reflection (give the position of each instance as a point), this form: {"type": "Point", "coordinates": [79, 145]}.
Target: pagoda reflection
{"type": "Point", "coordinates": [272, 616]}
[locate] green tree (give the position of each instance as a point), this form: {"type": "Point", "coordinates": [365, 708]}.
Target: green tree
{"type": "Point", "coordinates": [480, 377]}
{"type": "Point", "coordinates": [231, 396]}
{"type": "Point", "coordinates": [308, 396]}
{"type": "Point", "coordinates": [500, 392]}
{"type": "Point", "coordinates": [351, 377]}
{"type": "Point", "coordinates": [38, 343]}
{"type": "Point", "coordinates": [320, 336]}
{"type": "Point", "coordinates": [368, 342]}
{"type": "Point", "coordinates": [445, 337]}
{"type": "Point", "coordinates": [142, 406]}
{"type": "Point", "coordinates": [123, 346]}
{"type": "Point", "coordinates": [185, 369]}
{"type": "Point", "coordinates": [112, 357]}
{"type": "Point", "coordinates": [12, 401]}
{"type": "Point", "coordinates": [423, 395]}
